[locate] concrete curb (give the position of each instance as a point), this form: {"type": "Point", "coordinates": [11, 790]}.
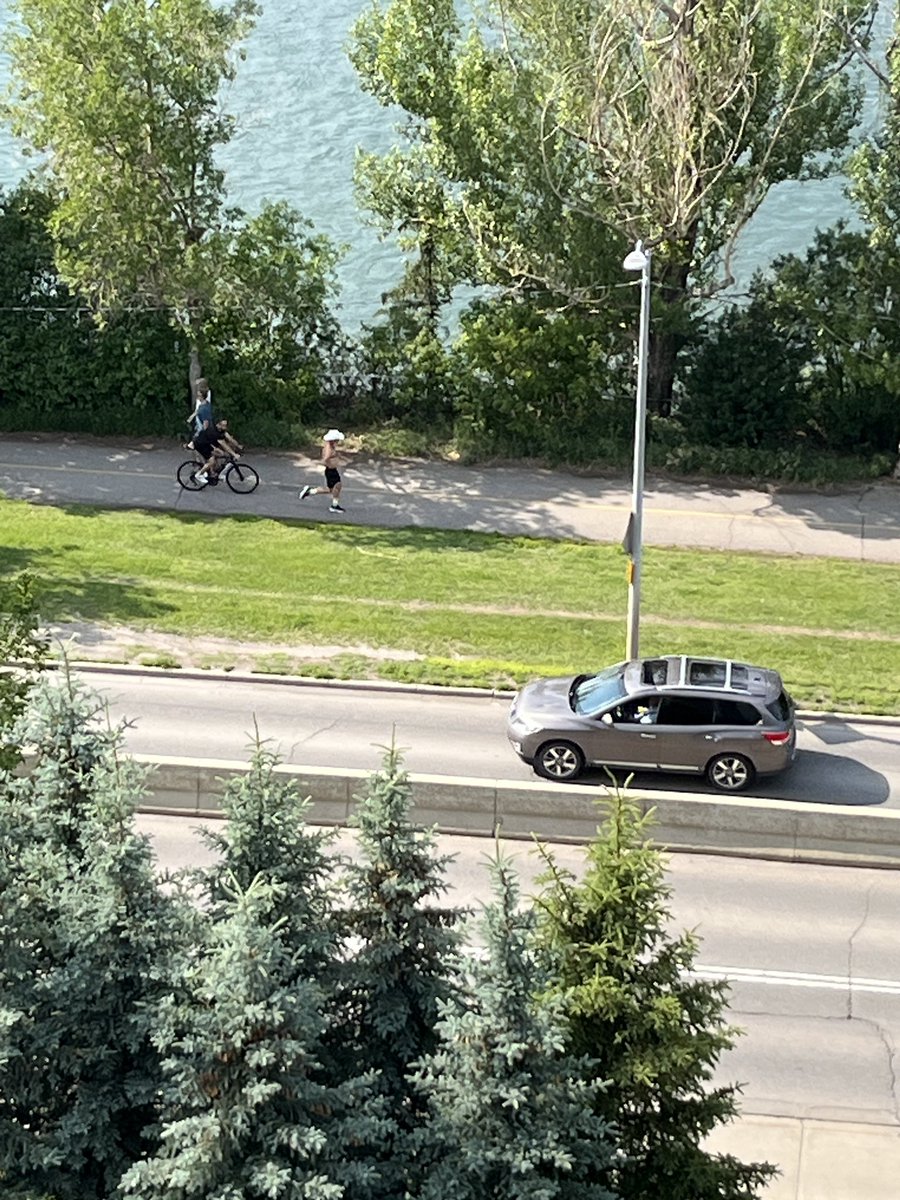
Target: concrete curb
{"type": "Point", "coordinates": [781, 829]}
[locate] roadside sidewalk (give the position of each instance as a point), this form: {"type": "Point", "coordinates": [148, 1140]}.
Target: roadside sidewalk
{"type": "Point", "coordinates": [861, 523]}
{"type": "Point", "coordinates": [818, 1160]}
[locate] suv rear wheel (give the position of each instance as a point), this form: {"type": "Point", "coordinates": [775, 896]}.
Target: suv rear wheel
{"type": "Point", "coordinates": [560, 761]}
{"type": "Point", "coordinates": [730, 772]}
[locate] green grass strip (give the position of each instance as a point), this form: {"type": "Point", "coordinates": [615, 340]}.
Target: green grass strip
{"type": "Point", "coordinates": [478, 608]}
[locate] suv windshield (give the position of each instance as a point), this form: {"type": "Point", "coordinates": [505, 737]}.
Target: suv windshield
{"type": "Point", "coordinates": [591, 692]}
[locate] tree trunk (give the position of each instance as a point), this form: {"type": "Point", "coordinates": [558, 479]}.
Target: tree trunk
{"type": "Point", "coordinates": [661, 373]}
{"type": "Point", "coordinates": [670, 291]}
{"type": "Point", "coordinates": [195, 371]}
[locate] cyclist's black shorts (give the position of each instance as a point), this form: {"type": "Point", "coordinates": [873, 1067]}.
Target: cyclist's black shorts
{"type": "Point", "coordinates": [205, 445]}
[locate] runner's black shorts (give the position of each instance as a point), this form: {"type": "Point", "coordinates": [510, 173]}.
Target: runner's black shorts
{"type": "Point", "coordinates": [332, 477]}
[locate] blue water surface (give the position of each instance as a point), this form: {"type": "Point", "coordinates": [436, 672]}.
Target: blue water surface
{"type": "Point", "coordinates": [301, 115]}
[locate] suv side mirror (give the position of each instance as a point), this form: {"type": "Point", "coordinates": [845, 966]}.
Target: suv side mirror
{"type": "Point", "coordinates": [606, 718]}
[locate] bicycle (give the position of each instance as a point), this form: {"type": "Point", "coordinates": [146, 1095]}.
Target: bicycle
{"type": "Point", "coordinates": [239, 476]}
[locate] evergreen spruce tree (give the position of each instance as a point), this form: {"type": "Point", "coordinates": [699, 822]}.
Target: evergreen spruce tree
{"type": "Point", "coordinates": [267, 843]}
{"type": "Point", "coordinates": [401, 962]}
{"type": "Point", "coordinates": [23, 655]}
{"type": "Point", "coordinates": [245, 1113]}
{"type": "Point", "coordinates": [654, 1031]}
{"type": "Point", "coordinates": [88, 939]}
{"type": "Point", "coordinates": [513, 1116]}
{"type": "Point", "coordinates": [267, 835]}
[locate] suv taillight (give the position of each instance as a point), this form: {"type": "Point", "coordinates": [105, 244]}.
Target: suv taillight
{"type": "Point", "coordinates": [778, 739]}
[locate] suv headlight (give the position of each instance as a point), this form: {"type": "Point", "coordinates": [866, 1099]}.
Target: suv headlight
{"type": "Point", "coordinates": [522, 726]}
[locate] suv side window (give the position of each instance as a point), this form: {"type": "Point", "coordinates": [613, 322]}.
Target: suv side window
{"type": "Point", "coordinates": [641, 710]}
{"type": "Point", "coordinates": [686, 710]}
{"type": "Point", "coordinates": [737, 712]}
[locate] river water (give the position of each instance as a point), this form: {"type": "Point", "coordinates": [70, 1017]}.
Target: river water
{"type": "Point", "coordinates": [301, 115]}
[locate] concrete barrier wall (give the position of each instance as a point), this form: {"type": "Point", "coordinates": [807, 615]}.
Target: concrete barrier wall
{"type": "Point", "coordinates": [710, 823]}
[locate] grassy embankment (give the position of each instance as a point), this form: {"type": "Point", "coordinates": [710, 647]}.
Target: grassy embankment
{"type": "Point", "coordinates": [477, 609]}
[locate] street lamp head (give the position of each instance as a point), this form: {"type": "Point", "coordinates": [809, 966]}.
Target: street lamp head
{"type": "Point", "coordinates": [638, 259]}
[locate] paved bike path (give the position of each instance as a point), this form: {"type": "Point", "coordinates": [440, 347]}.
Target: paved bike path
{"type": "Point", "coordinates": [861, 523]}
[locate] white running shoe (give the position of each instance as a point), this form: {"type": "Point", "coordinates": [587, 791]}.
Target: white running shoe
{"type": "Point", "coordinates": [304, 492]}
{"type": "Point", "coordinates": [202, 477]}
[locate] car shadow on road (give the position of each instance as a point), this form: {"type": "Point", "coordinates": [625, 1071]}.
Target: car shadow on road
{"type": "Point", "coordinates": [815, 778]}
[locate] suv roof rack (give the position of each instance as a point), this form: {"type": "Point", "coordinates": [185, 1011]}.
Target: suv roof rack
{"type": "Point", "coordinates": [718, 674]}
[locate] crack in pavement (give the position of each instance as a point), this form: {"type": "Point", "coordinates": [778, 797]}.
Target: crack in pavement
{"type": "Point", "coordinates": [855, 934]}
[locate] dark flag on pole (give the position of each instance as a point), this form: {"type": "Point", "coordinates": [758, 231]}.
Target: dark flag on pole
{"type": "Point", "coordinates": [628, 539]}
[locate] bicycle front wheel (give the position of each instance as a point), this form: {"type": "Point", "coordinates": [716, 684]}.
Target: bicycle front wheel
{"type": "Point", "coordinates": [242, 478]}
{"type": "Point", "coordinates": [187, 476]}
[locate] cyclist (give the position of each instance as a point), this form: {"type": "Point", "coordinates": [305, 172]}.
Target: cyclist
{"type": "Point", "coordinates": [215, 445]}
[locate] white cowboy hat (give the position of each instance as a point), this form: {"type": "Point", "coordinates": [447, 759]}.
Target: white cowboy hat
{"type": "Point", "coordinates": [333, 435]}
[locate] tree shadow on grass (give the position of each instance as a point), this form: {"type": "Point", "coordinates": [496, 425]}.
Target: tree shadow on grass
{"type": "Point", "coordinates": [67, 597]}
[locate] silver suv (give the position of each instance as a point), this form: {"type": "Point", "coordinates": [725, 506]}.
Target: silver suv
{"type": "Point", "coordinates": [725, 720]}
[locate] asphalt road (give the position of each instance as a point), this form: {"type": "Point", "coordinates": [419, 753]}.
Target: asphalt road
{"type": "Point", "coordinates": [862, 522]}
{"type": "Point", "coordinates": [811, 953]}
{"type": "Point", "coordinates": [839, 762]}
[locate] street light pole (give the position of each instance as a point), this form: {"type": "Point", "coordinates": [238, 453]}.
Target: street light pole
{"type": "Point", "coordinates": [638, 260]}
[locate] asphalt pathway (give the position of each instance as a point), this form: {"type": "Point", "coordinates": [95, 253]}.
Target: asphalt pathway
{"type": "Point", "coordinates": [861, 523]}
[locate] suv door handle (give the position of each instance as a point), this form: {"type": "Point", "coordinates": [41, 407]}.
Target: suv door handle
{"type": "Point", "coordinates": [651, 736]}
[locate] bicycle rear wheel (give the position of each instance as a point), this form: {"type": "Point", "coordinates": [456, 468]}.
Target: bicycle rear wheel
{"type": "Point", "coordinates": [242, 478]}
{"type": "Point", "coordinates": [187, 476]}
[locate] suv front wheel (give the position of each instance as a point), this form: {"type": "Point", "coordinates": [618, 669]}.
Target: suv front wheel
{"type": "Point", "coordinates": [560, 761]}
{"type": "Point", "coordinates": [730, 772]}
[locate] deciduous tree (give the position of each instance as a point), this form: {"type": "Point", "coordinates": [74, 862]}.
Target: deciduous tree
{"type": "Point", "coordinates": [562, 131]}
{"type": "Point", "coordinates": [124, 100]}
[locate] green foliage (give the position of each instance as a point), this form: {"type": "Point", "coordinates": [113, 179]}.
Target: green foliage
{"type": "Point", "coordinates": [413, 376]}
{"type": "Point", "coordinates": [23, 655]}
{"type": "Point", "coordinates": [654, 1031]}
{"type": "Point", "coordinates": [267, 837]}
{"type": "Point", "coordinates": [242, 1110]}
{"type": "Point", "coordinates": [512, 1111]}
{"type": "Point", "coordinates": [88, 945]}
{"type": "Point", "coordinates": [41, 342]}
{"type": "Point", "coordinates": [271, 336]}
{"type": "Point", "coordinates": [272, 339]}
{"type": "Point", "coordinates": [403, 963]}
{"type": "Point", "coordinates": [839, 299]}
{"type": "Point", "coordinates": [811, 360]}
{"type": "Point", "coordinates": [539, 384]}
{"type": "Point", "coordinates": [540, 137]}
{"type": "Point", "coordinates": [743, 387]}
{"type": "Point", "coordinates": [799, 463]}
{"type": "Point", "coordinates": [273, 876]}
{"type": "Point", "coordinates": [124, 99]}
{"type": "Point", "coordinates": [59, 370]}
